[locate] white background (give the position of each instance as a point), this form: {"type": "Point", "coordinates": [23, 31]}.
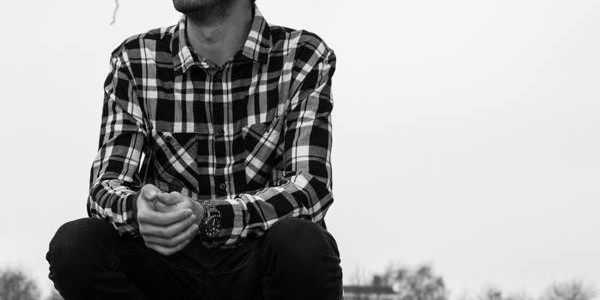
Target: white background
{"type": "Point", "coordinates": [466, 132]}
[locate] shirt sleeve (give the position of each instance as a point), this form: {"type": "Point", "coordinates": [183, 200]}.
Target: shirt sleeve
{"type": "Point", "coordinates": [114, 179]}
{"type": "Point", "coordinates": [305, 191]}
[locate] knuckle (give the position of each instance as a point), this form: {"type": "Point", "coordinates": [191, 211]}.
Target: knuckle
{"type": "Point", "coordinates": [146, 188]}
{"type": "Point", "coordinates": [175, 195]}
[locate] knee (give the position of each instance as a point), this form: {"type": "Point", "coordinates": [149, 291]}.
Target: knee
{"type": "Point", "coordinates": [300, 242]}
{"type": "Point", "coordinates": [80, 236]}
{"type": "Point", "coordinates": [302, 257]}
{"type": "Point", "coordinates": [75, 249]}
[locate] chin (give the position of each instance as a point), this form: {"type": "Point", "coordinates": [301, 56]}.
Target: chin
{"type": "Point", "coordinates": [188, 6]}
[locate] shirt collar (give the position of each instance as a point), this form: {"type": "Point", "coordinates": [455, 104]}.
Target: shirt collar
{"type": "Point", "coordinates": [256, 47]}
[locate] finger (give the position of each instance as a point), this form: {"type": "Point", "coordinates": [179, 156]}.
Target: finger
{"type": "Point", "coordinates": [167, 231]}
{"type": "Point", "coordinates": [149, 192]}
{"type": "Point", "coordinates": [160, 207]}
{"type": "Point", "coordinates": [167, 250]}
{"type": "Point", "coordinates": [148, 216]}
{"type": "Point", "coordinates": [171, 198]}
{"type": "Point", "coordinates": [188, 234]}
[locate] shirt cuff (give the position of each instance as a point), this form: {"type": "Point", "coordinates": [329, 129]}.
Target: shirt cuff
{"type": "Point", "coordinates": [132, 198]}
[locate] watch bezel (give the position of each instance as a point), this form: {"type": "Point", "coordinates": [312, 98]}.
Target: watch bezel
{"type": "Point", "coordinates": [211, 224]}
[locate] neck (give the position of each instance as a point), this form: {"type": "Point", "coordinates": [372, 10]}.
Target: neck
{"type": "Point", "coordinates": [219, 31]}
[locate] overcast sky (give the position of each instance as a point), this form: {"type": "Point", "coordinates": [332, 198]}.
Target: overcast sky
{"type": "Point", "coordinates": [466, 132]}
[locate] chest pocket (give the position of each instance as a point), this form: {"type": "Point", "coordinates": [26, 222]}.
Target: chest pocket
{"type": "Point", "coordinates": [174, 162]}
{"type": "Point", "coordinates": [264, 148]}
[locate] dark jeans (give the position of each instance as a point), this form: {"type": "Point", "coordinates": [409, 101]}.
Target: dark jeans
{"type": "Point", "coordinates": [295, 259]}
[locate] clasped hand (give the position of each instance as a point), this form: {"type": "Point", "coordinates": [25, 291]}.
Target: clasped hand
{"type": "Point", "coordinates": [167, 221]}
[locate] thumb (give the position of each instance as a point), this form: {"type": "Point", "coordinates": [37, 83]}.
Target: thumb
{"type": "Point", "coordinates": [149, 192]}
{"type": "Point", "coordinates": [170, 198]}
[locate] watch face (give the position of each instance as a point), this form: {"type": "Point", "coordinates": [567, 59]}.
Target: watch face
{"type": "Point", "coordinates": [212, 226]}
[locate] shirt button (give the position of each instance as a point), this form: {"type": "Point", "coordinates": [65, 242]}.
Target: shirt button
{"type": "Point", "coordinates": [219, 132]}
{"type": "Point", "coordinates": [282, 181]}
{"type": "Point", "coordinates": [223, 186]}
{"type": "Point", "coordinates": [218, 76]}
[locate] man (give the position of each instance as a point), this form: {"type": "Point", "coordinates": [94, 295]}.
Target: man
{"type": "Point", "coordinates": [213, 172]}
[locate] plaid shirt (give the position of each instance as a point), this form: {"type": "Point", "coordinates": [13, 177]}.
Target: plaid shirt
{"type": "Point", "coordinates": [253, 136]}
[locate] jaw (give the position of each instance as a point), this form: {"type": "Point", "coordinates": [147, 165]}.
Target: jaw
{"type": "Point", "coordinates": [199, 6]}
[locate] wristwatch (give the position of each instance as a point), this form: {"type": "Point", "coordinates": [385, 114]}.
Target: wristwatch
{"type": "Point", "coordinates": [210, 225]}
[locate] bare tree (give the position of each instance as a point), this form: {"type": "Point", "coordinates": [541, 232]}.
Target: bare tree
{"type": "Point", "coordinates": [359, 278]}
{"type": "Point", "coordinates": [491, 292]}
{"type": "Point", "coordinates": [419, 283]}
{"type": "Point", "coordinates": [15, 285]}
{"type": "Point", "coordinates": [570, 290]}
{"type": "Point", "coordinates": [518, 296]}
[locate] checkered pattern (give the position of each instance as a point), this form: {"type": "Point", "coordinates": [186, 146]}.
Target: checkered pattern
{"type": "Point", "coordinates": [253, 136]}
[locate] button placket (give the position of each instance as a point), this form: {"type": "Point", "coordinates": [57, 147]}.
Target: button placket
{"type": "Point", "coordinates": [218, 76]}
